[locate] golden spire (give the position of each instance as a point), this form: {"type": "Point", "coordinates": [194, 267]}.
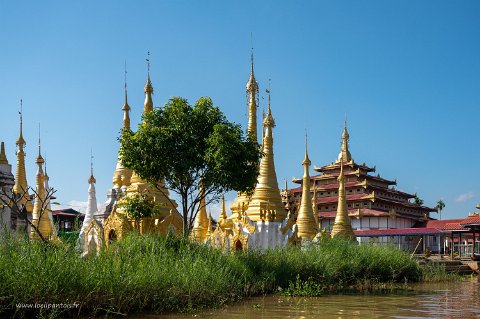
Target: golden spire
{"type": "Point", "coordinates": [223, 213]}
{"type": "Point", "coordinates": [307, 227]}
{"type": "Point", "coordinates": [252, 91]}
{"type": "Point", "coordinates": [342, 226]}
{"type": "Point", "coordinates": [91, 179]}
{"type": "Point", "coordinates": [345, 155]}
{"type": "Point", "coordinates": [21, 186]}
{"type": "Point", "coordinates": [314, 203]}
{"type": "Point", "coordinates": [3, 156]}
{"type": "Point", "coordinates": [209, 227]}
{"type": "Point", "coordinates": [243, 199]}
{"type": "Point", "coordinates": [148, 105]}
{"type": "Point", "coordinates": [122, 176]}
{"type": "Point", "coordinates": [200, 223]}
{"type": "Point", "coordinates": [21, 141]}
{"type": "Point", "coordinates": [46, 174]}
{"type": "Point", "coordinates": [40, 211]}
{"type": "Point", "coordinates": [266, 197]}
{"type": "Point", "coordinates": [126, 107]}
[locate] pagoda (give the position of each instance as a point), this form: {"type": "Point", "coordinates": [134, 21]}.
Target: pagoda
{"type": "Point", "coordinates": [6, 183]}
{"type": "Point", "coordinates": [306, 223]}
{"type": "Point", "coordinates": [20, 188]}
{"type": "Point", "coordinates": [201, 222]}
{"type": "Point", "coordinates": [40, 215]}
{"type": "Point", "coordinates": [243, 199]}
{"type": "Point", "coordinates": [258, 221]}
{"type": "Point", "coordinates": [372, 202]}
{"type": "Point", "coordinates": [126, 183]}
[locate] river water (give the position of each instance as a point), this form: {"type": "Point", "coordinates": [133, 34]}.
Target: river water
{"type": "Point", "coordinates": [444, 300]}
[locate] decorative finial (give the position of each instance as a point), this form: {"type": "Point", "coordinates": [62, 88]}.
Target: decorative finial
{"type": "Point", "coordinates": [39, 143]}
{"type": "Point", "coordinates": [251, 50]}
{"type": "Point", "coordinates": [40, 159]}
{"type": "Point", "coordinates": [125, 81]}
{"type": "Point", "coordinates": [148, 63]}
{"type": "Point", "coordinates": [306, 141]}
{"type": "Point", "coordinates": [3, 156]}
{"type": "Point", "coordinates": [21, 115]}
{"type": "Point", "coordinates": [21, 141]}
{"type": "Point", "coordinates": [268, 120]}
{"type": "Point", "coordinates": [268, 91]}
{"type": "Point", "coordinates": [306, 160]}
{"type": "Point", "coordinates": [91, 180]}
{"type": "Point", "coordinates": [91, 162]}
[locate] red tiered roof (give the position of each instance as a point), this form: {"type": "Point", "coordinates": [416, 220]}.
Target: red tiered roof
{"type": "Point", "coordinates": [398, 232]}
{"type": "Point", "coordinates": [471, 220]}
{"type": "Point", "coordinates": [446, 224]}
{"type": "Point", "coordinates": [353, 213]}
{"type": "Point", "coordinates": [334, 199]}
{"type": "Point", "coordinates": [407, 204]}
{"type": "Point", "coordinates": [389, 190]}
{"type": "Point", "coordinates": [326, 186]}
{"type": "Point", "coordinates": [336, 165]}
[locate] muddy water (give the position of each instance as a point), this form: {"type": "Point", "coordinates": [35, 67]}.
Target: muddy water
{"type": "Point", "coordinates": [447, 300]}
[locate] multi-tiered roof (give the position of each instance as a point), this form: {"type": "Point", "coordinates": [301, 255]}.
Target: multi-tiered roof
{"type": "Point", "coordinates": [366, 194]}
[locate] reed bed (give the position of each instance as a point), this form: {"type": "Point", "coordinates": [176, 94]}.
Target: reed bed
{"type": "Point", "coordinates": [162, 274]}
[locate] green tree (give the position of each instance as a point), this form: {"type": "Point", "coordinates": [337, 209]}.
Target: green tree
{"type": "Point", "coordinates": [136, 207]}
{"type": "Point", "coordinates": [440, 206]}
{"type": "Point", "coordinates": [418, 201]}
{"type": "Point", "coordinates": [181, 145]}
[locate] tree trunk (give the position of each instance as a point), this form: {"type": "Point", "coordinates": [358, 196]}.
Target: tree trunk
{"type": "Point", "coordinates": [185, 214]}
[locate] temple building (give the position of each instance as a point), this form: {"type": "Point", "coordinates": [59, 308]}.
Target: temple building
{"type": "Point", "coordinates": [201, 222]}
{"type": "Point", "coordinates": [306, 223]}
{"type": "Point", "coordinates": [112, 222]}
{"type": "Point", "coordinates": [258, 221]}
{"type": "Point", "coordinates": [90, 239]}
{"type": "Point", "coordinates": [41, 216]}
{"type": "Point", "coordinates": [20, 188]}
{"type": "Point", "coordinates": [243, 199]}
{"type": "Point", "coordinates": [372, 202]}
{"type": "Point", "coordinates": [6, 183]}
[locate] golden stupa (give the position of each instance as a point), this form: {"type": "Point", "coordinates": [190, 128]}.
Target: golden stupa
{"type": "Point", "coordinates": [40, 213]}
{"type": "Point", "coordinates": [342, 227]}
{"type": "Point", "coordinates": [200, 224]}
{"type": "Point", "coordinates": [266, 201]}
{"type": "Point", "coordinates": [122, 175]}
{"type": "Point", "coordinates": [306, 222]}
{"type": "Point", "coordinates": [167, 219]}
{"type": "Point", "coordinates": [242, 200]}
{"type": "Point", "coordinates": [20, 189]}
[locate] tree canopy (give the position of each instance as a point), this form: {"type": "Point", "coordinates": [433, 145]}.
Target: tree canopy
{"type": "Point", "coordinates": [180, 145]}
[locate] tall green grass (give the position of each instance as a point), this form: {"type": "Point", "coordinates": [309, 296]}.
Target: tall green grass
{"type": "Point", "coordinates": [161, 274]}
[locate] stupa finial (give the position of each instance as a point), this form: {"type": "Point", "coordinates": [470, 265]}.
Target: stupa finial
{"type": "Point", "coordinates": [3, 155]}
{"type": "Point", "coordinates": [126, 107]}
{"type": "Point", "coordinates": [148, 105]}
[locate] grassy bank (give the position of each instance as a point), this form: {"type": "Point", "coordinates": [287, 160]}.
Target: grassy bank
{"type": "Point", "coordinates": [152, 273]}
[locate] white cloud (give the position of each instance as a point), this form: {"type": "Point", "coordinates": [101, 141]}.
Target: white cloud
{"type": "Point", "coordinates": [464, 197]}
{"type": "Point", "coordinates": [78, 206]}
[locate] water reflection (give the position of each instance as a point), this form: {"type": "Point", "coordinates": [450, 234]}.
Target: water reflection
{"type": "Point", "coordinates": [446, 300]}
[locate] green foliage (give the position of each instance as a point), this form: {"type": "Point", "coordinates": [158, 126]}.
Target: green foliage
{"type": "Point", "coordinates": [150, 273]}
{"type": "Point", "coordinates": [137, 206]}
{"type": "Point", "coordinates": [418, 201]}
{"type": "Point", "coordinates": [180, 145]}
{"type": "Point", "coordinates": [440, 205]}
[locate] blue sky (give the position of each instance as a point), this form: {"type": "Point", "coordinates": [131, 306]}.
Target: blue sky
{"type": "Point", "coordinates": [406, 73]}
